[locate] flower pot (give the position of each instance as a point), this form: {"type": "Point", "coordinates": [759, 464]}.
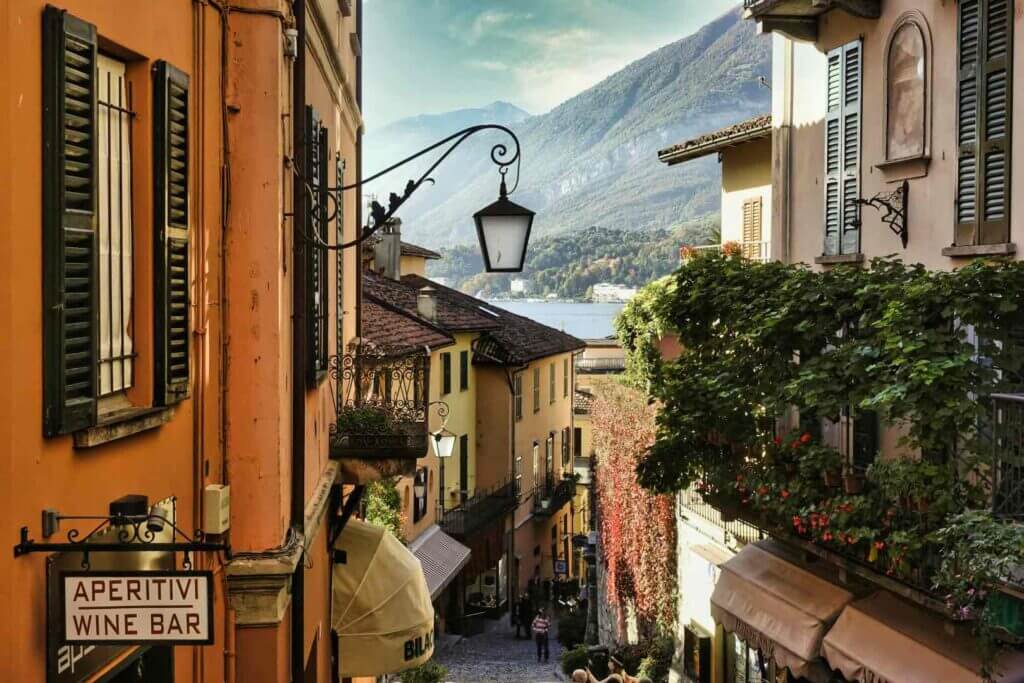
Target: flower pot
{"type": "Point", "coordinates": [853, 483]}
{"type": "Point", "coordinates": [832, 479]}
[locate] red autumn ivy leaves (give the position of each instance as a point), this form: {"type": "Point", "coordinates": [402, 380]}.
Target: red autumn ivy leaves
{"type": "Point", "coordinates": [637, 527]}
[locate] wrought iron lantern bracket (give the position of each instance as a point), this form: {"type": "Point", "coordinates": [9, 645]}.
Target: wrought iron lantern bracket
{"type": "Point", "coordinates": [132, 534]}
{"type": "Point", "coordinates": [895, 204]}
{"type": "Point", "coordinates": [379, 215]}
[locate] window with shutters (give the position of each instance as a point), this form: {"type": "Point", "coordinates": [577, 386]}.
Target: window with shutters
{"type": "Point", "coordinates": [90, 343]}
{"type": "Point", "coordinates": [517, 389]}
{"type": "Point", "coordinates": [843, 150]}
{"type": "Point", "coordinates": [536, 390]}
{"type": "Point", "coordinates": [446, 373]}
{"type": "Point", "coordinates": [565, 378]}
{"type": "Point", "coordinates": [752, 228]}
{"type": "Point", "coordinates": [114, 228]}
{"type": "Point", "coordinates": [551, 383]}
{"type": "Point", "coordinates": [463, 370]}
{"type": "Point", "coordinates": [317, 154]}
{"type": "Point", "coordinates": [984, 105]}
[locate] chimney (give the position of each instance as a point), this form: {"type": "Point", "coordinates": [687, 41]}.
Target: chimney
{"type": "Point", "coordinates": [426, 303]}
{"type": "Point", "coordinates": [387, 253]}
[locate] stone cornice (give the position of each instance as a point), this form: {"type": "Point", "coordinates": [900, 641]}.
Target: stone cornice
{"type": "Point", "coordinates": [259, 583]}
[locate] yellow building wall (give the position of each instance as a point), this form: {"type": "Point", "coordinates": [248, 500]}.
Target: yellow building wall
{"type": "Point", "coordinates": [413, 265]}
{"type": "Point", "coordinates": [746, 174]}
{"type": "Point", "coordinates": [533, 535]}
{"type": "Point", "coordinates": [462, 420]}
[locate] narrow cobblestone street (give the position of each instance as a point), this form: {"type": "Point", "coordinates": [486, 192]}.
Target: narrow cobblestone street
{"type": "Point", "coordinates": [496, 656]}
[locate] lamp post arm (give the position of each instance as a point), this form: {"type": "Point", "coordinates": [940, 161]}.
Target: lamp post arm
{"type": "Point", "coordinates": [500, 155]}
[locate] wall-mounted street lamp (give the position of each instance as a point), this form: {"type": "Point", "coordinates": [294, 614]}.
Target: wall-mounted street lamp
{"type": "Point", "coordinates": [503, 227]}
{"type": "Point", "coordinates": [443, 443]}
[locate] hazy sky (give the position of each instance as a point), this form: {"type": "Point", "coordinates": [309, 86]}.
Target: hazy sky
{"type": "Point", "coordinates": [428, 56]}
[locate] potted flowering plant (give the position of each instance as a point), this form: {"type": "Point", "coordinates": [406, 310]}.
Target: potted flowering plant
{"type": "Point", "coordinates": [818, 460]}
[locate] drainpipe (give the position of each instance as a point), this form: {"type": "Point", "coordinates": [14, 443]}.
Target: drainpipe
{"type": "Point", "coordinates": [298, 483]}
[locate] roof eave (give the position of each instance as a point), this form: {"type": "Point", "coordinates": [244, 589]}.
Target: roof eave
{"type": "Point", "coordinates": [671, 157]}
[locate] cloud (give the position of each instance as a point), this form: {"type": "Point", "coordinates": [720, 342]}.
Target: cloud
{"type": "Point", "coordinates": [487, 65]}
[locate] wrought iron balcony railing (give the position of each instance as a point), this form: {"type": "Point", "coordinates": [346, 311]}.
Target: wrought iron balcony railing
{"type": "Point", "coordinates": [595, 366]}
{"type": "Point", "coordinates": [479, 512]}
{"type": "Point", "coordinates": [1007, 473]}
{"type": "Point", "coordinates": [380, 405]}
{"type": "Point", "coordinates": [549, 497]}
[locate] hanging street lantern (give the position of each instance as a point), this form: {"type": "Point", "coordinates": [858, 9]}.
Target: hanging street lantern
{"type": "Point", "coordinates": [504, 232]}
{"type": "Point", "coordinates": [444, 443]}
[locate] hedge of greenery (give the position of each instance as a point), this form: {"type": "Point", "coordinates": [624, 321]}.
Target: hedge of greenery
{"type": "Point", "coordinates": [765, 342]}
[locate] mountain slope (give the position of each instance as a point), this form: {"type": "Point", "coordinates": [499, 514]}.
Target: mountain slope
{"type": "Point", "coordinates": [592, 161]}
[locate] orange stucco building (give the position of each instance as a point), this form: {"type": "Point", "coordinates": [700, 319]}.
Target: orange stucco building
{"type": "Point", "coordinates": [159, 308]}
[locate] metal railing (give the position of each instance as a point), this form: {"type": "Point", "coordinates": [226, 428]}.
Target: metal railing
{"type": "Point", "coordinates": [744, 532]}
{"type": "Point", "coordinates": [599, 365]}
{"type": "Point", "coordinates": [479, 511]}
{"type": "Point", "coordinates": [550, 497]}
{"type": "Point", "coordinates": [380, 404]}
{"type": "Point", "coordinates": [1007, 473]}
{"type": "Point", "coordinates": [755, 251]}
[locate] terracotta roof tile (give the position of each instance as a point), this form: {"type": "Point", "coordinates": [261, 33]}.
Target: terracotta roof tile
{"type": "Point", "coordinates": [397, 334]}
{"type": "Point", "coordinates": [416, 250]}
{"type": "Point", "coordinates": [583, 402]}
{"type": "Point", "coordinates": [401, 295]}
{"type": "Point", "coordinates": [744, 131]}
{"type": "Point", "coordinates": [519, 340]}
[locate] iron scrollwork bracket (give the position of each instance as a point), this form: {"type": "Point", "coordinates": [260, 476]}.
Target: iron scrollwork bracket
{"type": "Point", "coordinates": [895, 204]}
{"type": "Point", "coordinates": [131, 534]}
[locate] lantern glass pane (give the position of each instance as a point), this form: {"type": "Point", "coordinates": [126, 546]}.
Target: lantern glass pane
{"type": "Point", "coordinates": [505, 240]}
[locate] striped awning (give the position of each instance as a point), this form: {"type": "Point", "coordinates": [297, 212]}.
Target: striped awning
{"type": "Point", "coordinates": [442, 558]}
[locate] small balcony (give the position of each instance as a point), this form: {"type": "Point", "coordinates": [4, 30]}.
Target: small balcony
{"type": "Point", "coordinates": [551, 496]}
{"type": "Point", "coordinates": [380, 426]}
{"type": "Point", "coordinates": [798, 19]}
{"type": "Point", "coordinates": [754, 251]}
{"type": "Point", "coordinates": [479, 512]}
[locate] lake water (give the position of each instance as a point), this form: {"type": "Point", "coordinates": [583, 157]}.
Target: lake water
{"type": "Point", "coordinates": [583, 320]}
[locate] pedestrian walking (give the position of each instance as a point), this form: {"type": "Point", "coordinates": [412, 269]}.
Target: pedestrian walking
{"type": "Point", "coordinates": [541, 625]}
{"type": "Point", "coordinates": [523, 609]}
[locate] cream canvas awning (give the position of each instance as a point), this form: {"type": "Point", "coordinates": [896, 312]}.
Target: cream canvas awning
{"type": "Point", "coordinates": [441, 556]}
{"type": "Point", "coordinates": [778, 607]}
{"type": "Point", "coordinates": [381, 607]}
{"type": "Point", "coordinates": [883, 639]}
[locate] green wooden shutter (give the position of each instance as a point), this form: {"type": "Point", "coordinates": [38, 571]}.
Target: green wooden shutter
{"type": "Point", "coordinates": [833, 153]}
{"type": "Point", "coordinates": [983, 122]}
{"type": "Point", "coordinates": [851, 147]}
{"type": "Point", "coordinates": [69, 223]}
{"type": "Point", "coordinates": [339, 206]}
{"type": "Point", "coordinates": [843, 149]}
{"type": "Point", "coordinates": [316, 256]}
{"type": "Point", "coordinates": [865, 438]}
{"type": "Point", "coordinates": [171, 276]}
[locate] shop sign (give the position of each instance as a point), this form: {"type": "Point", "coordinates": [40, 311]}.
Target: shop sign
{"type": "Point", "coordinates": [137, 607]}
{"type": "Point", "coordinates": [561, 567]}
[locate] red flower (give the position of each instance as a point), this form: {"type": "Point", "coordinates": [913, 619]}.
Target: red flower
{"type": "Point", "coordinates": [762, 490]}
{"type": "Point", "coordinates": [778, 440]}
{"type": "Point", "coordinates": [827, 536]}
{"type": "Point", "coordinates": [805, 438]}
{"type": "Point", "coordinates": [880, 545]}
{"type": "Point", "coordinates": [784, 494]}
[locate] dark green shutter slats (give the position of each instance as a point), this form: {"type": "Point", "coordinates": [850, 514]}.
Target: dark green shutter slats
{"type": "Point", "coordinates": [983, 122]}
{"type": "Point", "coordinates": [69, 223]}
{"type": "Point", "coordinates": [316, 256]}
{"type": "Point", "coordinates": [171, 223]}
{"type": "Point", "coordinates": [843, 150]}
{"type": "Point", "coordinates": [339, 175]}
